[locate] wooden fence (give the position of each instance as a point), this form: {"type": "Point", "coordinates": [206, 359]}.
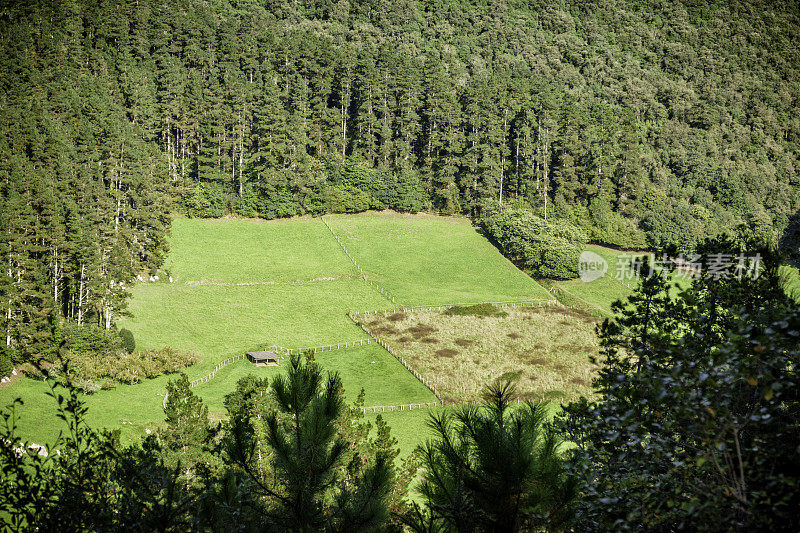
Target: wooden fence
{"type": "Point", "coordinates": [422, 379]}
{"type": "Point", "coordinates": [401, 407]}
{"type": "Point", "coordinates": [383, 292]}
{"type": "Point", "coordinates": [327, 348]}
{"type": "Point", "coordinates": [217, 368]}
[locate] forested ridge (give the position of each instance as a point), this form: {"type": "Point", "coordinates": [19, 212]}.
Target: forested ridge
{"type": "Point", "coordinates": [642, 123]}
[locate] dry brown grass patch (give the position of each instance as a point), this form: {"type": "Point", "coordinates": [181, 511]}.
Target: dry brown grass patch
{"type": "Point", "coordinates": [396, 317]}
{"type": "Point", "coordinates": [545, 350]}
{"type": "Point", "coordinates": [421, 330]}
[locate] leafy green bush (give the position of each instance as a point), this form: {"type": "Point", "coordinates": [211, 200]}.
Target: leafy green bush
{"type": "Point", "coordinates": [547, 249]}
{"type": "Point", "coordinates": [348, 199]}
{"type": "Point", "coordinates": [475, 310]}
{"type": "Point", "coordinates": [246, 204]}
{"type": "Point", "coordinates": [125, 367]}
{"type": "Point", "coordinates": [128, 342]}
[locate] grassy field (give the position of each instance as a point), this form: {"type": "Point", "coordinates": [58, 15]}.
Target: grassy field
{"type": "Point", "coordinates": [430, 260]}
{"type": "Point", "coordinates": [384, 380]}
{"type": "Point", "coordinates": [600, 293]}
{"type": "Point", "coordinates": [245, 251]}
{"type": "Point", "coordinates": [239, 285]}
{"type": "Point", "coordinates": [543, 350]}
{"type": "Point", "coordinates": [217, 321]}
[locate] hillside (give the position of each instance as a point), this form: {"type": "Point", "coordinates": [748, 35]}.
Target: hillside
{"type": "Point", "coordinates": [240, 285]}
{"type": "Point", "coordinates": [644, 124]}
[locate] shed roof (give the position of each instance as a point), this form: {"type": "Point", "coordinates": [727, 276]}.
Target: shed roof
{"type": "Point", "coordinates": [262, 355]}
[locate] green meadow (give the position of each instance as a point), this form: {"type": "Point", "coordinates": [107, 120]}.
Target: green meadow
{"type": "Point", "coordinates": [240, 285]}
{"type": "Point", "coordinates": [253, 250]}
{"type": "Point", "coordinates": [431, 260]}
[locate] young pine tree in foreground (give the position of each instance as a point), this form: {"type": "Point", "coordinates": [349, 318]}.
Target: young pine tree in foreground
{"type": "Point", "coordinates": [493, 468]}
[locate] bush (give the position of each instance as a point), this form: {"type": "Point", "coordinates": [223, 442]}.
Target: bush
{"type": "Point", "coordinates": [128, 342]}
{"type": "Point", "coordinates": [97, 358]}
{"type": "Point", "coordinates": [475, 310]}
{"type": "Point", "coordinates": [6, 362]}
{"type": "Point", "coordinates": [546, 249]}
{"type": "Point", "coordinates": [348, 199]}
{"type": "Point", "coordinates": [246, 204]}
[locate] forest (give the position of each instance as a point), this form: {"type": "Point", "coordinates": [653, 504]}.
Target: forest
{"type": "Point", "coordinates": [628, 124]}
{"type": "Point", "coordinates": [643, 124]}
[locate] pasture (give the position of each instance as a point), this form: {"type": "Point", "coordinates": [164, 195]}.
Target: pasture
{"type": "Point", "coordinates": [543, 350]}
{"type": "Point", "coordinates": [431, 260]}
{"type": "Point", "coordinates": [239, 285]}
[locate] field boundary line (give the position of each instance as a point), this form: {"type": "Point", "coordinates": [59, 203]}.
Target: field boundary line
{"type": "Point", "coordinates": [383, 292]}
{"type": "Point", "coordinates": [399, 407]}
{"type": "Point", "coordinates": [558, 287]}
{"type": "Point", "coordinates": [385, 345]}
{"type": "Point", "coordinates": [214, 283]}
{"type": "Point", "coordinates": [534, 302]}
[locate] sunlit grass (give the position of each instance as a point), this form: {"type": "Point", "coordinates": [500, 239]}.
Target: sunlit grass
{"type": "Point", "coordinates": [544, 351]}
{"type": "Point", "coordinates": [430, 260]}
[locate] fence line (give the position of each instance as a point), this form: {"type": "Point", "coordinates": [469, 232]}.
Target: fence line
{"type": "Point", "coordinates": [377, 340]}
{"type": "Point", "coordinates": [327, 347]}
{"type": "Point", "coordinates": [217, 368]}
{"type": "Point", "coordinates": [422, 379]}
{"type": "Point", "coordinates": [540, 302]}
{"type": "Point", "coordinates": [589, 307]}
{"type": "Point", "coordinates": [400, 407]}
{"type": "Point", "coordinates": [383, 292]}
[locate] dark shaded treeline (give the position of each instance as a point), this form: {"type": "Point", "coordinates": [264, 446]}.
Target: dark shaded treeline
{"type": "Point", "coordinates": [654, 123]}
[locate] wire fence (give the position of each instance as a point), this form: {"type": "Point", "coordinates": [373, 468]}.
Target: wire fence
{"type": "Point", "coordinates": [422, 379]}
{"type": "Point", "coordinates": [220, 366]}
{"type": "Point", "coordinates": [382, 291]}
{"type": "Point", "coordinates": [400, 407]}
{"type": "Point", "coordinates": [428, 383]}
{"type": "Point", "coordinates": [327, 347]}
{"type": "Point", "coordinates": [535, 302]}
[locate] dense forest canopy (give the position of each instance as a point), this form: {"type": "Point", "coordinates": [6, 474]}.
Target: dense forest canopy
{"type": "Point", "coordinates": [643, 123]}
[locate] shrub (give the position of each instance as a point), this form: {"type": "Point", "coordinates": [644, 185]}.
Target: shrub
{"type": "Point", "coordinates": [86, 368]}
{"type": "Point", "coordinates": [475, 310]}
{"type": "Point", "coordinates": [348, 199]}
{"type": "Point", "coordinates": [246, 204]}
{"type": "Point", "coordinates": [546, 249]}
{"type": "Point", "coordinates": [128, 342]}
{"type": "Point", "coordinates": [6, 363]}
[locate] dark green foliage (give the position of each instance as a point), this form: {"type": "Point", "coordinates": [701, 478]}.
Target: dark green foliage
{"type": "Point", "coordinates": [546, 249]}
{"type": "Point", "coordinates": [6, 362]}
{"type": "Point", "coordinates": [696, 427]}
{"type": "Point", "coordinates": [475, 310]}
{"type": "Point", "coordinates": [128, 342]}
{"type": "Point", "coordinates": [91, 482]}
{"type": "Point", "coordinates": [643, 127]}
{"type": "Point", "coordinates": [187, 430]}
{"type": "Point", "coordinates": [493, 468]}
{"type": "Point", "coordinates": [307, 474]}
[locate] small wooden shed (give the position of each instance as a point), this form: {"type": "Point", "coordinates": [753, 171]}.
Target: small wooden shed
{"type": "Point", "coordinates": [263, 358]}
